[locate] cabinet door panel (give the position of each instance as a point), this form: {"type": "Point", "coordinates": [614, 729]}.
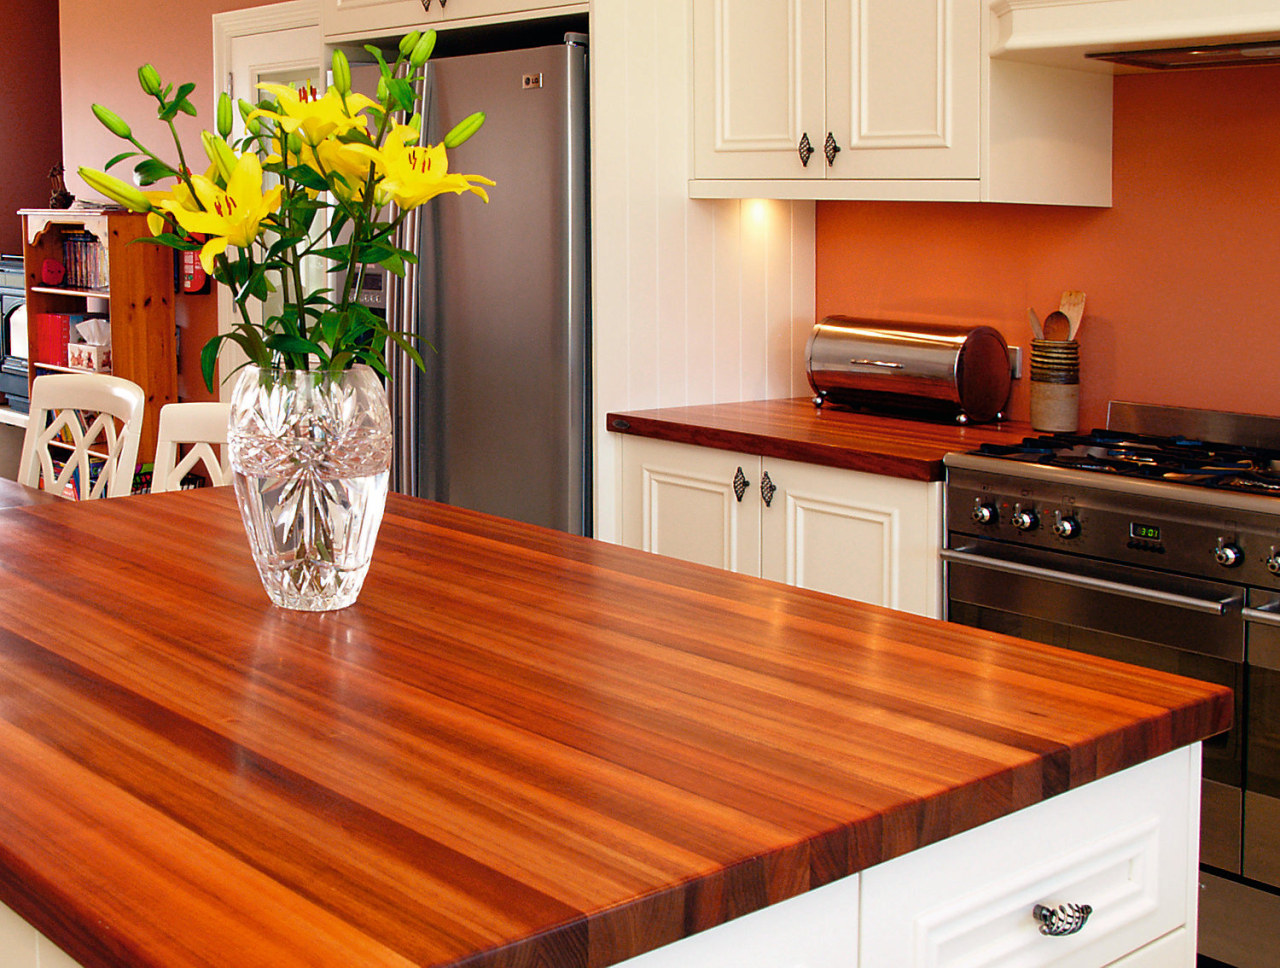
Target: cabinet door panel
{"type": "Point", "coordinates": [903, 88]}
{"type": "Point", "coordinates": [1123, 844]}
{"type": "Point", "coordinates": [863, 536]}
{"type": "Point", "coordinates": [758, 88]}
{"type": "Point", "coordinates": [679, 500]}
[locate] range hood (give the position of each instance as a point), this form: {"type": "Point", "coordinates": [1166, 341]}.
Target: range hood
{"type": "Point", "coordinates": [1124, 36]}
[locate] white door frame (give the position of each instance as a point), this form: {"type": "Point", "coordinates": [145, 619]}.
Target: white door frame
{"type": "Point", "coordinates": [227, 28]}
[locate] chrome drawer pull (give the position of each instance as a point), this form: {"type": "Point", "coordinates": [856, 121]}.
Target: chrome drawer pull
{"type": "Point", "coordinates": [1062, 920]}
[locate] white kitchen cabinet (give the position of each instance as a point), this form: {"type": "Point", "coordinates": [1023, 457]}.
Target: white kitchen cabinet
{"type": "Point", "coordinates": [1125, 845]}
{"type": "Point", "coordinates": [906, 92]}
{"type": "Point", "coordinates": [862, 536]}
{"type": "Point", "coordinates": [361, 19]}
{"type": "Point", "coordinates": [891, 84]}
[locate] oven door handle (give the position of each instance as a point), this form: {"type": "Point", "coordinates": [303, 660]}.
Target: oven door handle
{"type": "Point", "coordinates": [1261, 616]}
{"type": "Point", "coordinates": [1098, 584]}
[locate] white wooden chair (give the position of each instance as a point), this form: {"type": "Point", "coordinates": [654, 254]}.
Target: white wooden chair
{"type": "Point", "coordinates": [200, 425]}
{"type": "Point", "coordinates": [73, 431]}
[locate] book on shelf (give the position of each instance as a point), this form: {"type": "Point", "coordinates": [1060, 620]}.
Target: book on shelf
{"type": "Point", "coordinates": [85, 260]}
{"type": "Point", "coordinates": [53, 331]}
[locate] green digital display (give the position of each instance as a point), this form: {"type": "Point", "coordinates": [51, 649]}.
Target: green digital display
{"type": "Point", "coordinates": [1147, 532]}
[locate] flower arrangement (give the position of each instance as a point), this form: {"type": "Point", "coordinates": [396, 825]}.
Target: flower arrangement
{"type": "Point", "coordinates": [328, 177]}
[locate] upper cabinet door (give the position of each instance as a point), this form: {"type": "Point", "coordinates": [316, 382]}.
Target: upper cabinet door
{"type": "Point", "coordinates": [903, 88]}
{"type": "Point", "coordinates": [759, 82]}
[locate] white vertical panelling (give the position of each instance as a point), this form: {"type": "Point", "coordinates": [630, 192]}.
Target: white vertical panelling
{"type": "Point", "coordinates": [694, 301]}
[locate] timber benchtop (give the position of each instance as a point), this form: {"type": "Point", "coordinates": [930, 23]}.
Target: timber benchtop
{"type": "Point", "coordinates": [794, 429]}
{"type": "Point", "coordinates": [519, 747]}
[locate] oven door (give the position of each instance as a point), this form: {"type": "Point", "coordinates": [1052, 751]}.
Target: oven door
{"type": "Point", "coordinates": [1186, 626]}
{"type": "Point", "coordinates": [1262, 787]}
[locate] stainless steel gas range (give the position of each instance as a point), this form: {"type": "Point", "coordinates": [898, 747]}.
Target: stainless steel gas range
{"type": "Point", "coordinates": [1155, 541]}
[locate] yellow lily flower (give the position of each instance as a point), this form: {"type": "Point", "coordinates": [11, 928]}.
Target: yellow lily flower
{"type": "Point", "coordinates": [414, 174]}
{"type": "Point", "coordinates": [315, 118]}
{"type": "Point", "coordinates": [349, 162]}
{"type": "Point", "coordinates": [228, 217]}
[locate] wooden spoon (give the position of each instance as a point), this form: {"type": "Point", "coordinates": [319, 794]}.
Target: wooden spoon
{"type": "Point", "coordinates": [1073, 306]}
{"type": "Point", "coordinates": [1036, 331]}
{"type": "Point", "coordinates": [1057, 326]}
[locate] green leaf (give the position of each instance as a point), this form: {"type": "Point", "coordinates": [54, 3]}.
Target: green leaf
{"type": "Point", "coordinates": [308, 178]}
{"type": "Point", "coordinates": [401, 92]}
{"type": "Point", "coordinates": [151, 171]}
{"type": "Point", "coordinates": [119, 158]}
{"type": "Point", "coordinates": [209, 358]}
{"type": "Point", "coordinates": [402, 340]}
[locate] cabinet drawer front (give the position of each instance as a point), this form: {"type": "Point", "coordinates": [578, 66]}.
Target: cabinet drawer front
{"type": "Point", "coordinates": [1121, 845]}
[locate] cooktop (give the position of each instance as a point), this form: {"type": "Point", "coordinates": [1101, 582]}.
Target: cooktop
{"type": "Point", "coordinates": [1176, 459]}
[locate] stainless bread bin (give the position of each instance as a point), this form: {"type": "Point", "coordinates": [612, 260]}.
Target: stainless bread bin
{"type": "Point", "coordinates": [927, 369]}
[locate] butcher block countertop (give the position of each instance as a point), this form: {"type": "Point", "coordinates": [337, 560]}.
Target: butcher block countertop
{"type": "Point", "coordinates": [796, 430]}
{"type": "Point", "coordinates": [519, 747]}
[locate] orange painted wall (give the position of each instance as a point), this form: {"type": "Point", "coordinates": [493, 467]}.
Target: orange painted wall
{"type": "Point", "coordinates": [30, 113]}
{"type": "Point", "coordinates": [1182, 273]}
{"type": "Point", "coordinates": [104, 42]}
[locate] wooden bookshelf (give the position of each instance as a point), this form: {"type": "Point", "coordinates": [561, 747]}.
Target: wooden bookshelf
{"type": "Point", "coordinates": [138, 299]}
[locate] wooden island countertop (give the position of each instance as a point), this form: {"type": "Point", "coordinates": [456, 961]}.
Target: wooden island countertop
{"type": "Point", "coordinates": [519, 747]}
{"type": "Point", "coordinates": [793, 429]}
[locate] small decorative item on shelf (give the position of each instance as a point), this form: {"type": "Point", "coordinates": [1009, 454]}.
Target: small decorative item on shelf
{"type": "Point", "coordinates": [310, 433]}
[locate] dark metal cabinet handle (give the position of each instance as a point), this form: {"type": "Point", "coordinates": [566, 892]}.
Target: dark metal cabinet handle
{"type": "Point", "coordinates": [740, 484]}
{"type": "Point", "coordinates": [805, 149]}
{"type": "Point", "coordinates": [1062, 920]}
{"type": "Point", "coordinates": [829, 147]}
{"type": "Point", "coordinates": [767, 489]}
{"type": "Point", "coordinates": [426, 6]}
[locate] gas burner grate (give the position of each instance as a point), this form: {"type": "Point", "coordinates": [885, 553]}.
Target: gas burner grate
{"type": "Point", "coordinates": [1177, 459]}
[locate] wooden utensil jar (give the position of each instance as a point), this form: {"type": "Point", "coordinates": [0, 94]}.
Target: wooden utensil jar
{"type": "Point", "coordinates": [1055, 384]}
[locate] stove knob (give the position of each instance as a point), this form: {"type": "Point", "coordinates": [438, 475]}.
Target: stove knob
{"type": "Point", "coordinates": [1273, 562]}
{"type": "Point", "coordinates": [1064, 525]}
{"type": "Point", "coordinates": [1228, 554]}
{"type": "Point", "coordinates": [983, 513]}
{"type": "Point", "coordinates": [1024, 520]}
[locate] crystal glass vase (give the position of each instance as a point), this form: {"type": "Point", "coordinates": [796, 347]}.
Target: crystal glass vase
{"type": "Point", "coordinates": [310, 456]}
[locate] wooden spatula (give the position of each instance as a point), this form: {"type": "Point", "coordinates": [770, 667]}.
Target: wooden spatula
{"type": "Point", "coordinates": [1072, 306]}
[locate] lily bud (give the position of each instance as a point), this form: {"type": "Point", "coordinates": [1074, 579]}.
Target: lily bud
{"type": "Point", "coordinates": [111, 121]}
{"type": "Point", "coordinates": [464, 129]}
{"type": "Point", "coordinates": [294, 143]}
{"type": "Point", "coordinates": [382, 90]}
{"type": "Point", "coordinates": [149, 78]}
{"type": "Point", "coordinates": [422, 49]}
{"type": "Point", "coordinates": [116, 190]}
{"type": "Point", "coordinates": [415, 123]}
{"type": "Point", "coordinates": [224, 116]}
{"type": "Point", "coordinates": [341, 72]}
{"type": "Point", "coordinates": [220, 153]}
{"type": "Point", "coordinates": [408, 42]}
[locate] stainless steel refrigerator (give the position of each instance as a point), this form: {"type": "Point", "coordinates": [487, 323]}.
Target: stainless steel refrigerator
{"type": "Point", "coordinates": [499, 420]}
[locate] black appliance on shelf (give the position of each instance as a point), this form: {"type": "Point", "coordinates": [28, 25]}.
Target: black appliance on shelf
{"type": "Point", "coordinates": [1155, 541]}
{"type": "Point", "coordinates": [13, 334]}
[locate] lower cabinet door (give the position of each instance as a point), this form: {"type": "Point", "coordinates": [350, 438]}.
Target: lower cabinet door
{"type": "Point", "coordinates": [862, 536]}
{"type": "Point", "coordinates": [1124, 845]}
{"type": "Point", "coordinates": [694, 503]}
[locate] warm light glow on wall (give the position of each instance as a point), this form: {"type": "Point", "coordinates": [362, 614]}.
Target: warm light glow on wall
{"type": "Point", "coordinates": [756, 211]}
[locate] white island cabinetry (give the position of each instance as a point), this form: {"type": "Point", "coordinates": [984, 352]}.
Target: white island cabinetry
{"type": "Point", "coordinates": [867, 537]}
{"type": "Point", "coordinates": [1125, 845]}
